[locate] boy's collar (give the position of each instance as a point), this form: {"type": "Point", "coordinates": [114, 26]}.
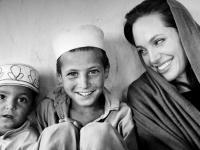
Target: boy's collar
{"type": "Point", "coordinates": [13, 131]}
{"type": "Point", "coordinates": [61, 98]}
{"type": "Point", "coordinates": [111, 103]}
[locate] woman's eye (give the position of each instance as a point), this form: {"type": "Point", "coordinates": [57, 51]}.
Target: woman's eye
{"type": "Point", "coordinates": [142, 51]}
{"type": "Point", "coordinates": [2, 96]}
{"type": "Point", "coordinates": [158, 42]}
{"type": "Point", "coordinates": [72, 75]}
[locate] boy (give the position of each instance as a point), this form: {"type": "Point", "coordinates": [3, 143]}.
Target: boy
{"type": "Point", "coordinates": [91, 117]}
{"type": "Point", "coordinates": [18, 89]}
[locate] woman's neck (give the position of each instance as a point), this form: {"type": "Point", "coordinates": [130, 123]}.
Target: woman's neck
{"type": "Point", "coordinates": [182, 83]}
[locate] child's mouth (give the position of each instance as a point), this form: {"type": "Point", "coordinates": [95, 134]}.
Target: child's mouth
{"type": "Point", "coordinates": [85, 93]}
{"type": "Point", "coordinates": [8, 116]}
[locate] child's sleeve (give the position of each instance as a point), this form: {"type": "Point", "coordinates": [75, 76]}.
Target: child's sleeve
{"type": "Point", "coordinates": [128, 128]}
{"type": "Point", "coordinates": [46, 114]}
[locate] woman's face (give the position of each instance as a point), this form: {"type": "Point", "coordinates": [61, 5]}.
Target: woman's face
{"type": "Point", "coordinates": [160, 46]}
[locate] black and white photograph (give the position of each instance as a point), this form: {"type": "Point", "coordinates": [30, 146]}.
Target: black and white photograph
{"type": "Point", "coordinates": [99, 75]}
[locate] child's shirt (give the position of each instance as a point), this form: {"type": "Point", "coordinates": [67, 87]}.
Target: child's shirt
{"type": "Point", "coordinates": [55, 108]}
{"type": "Point", "coordinates": [21, 138]}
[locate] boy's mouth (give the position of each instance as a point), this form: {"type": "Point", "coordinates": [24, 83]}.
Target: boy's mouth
{"type": "Point", "coordinates": [85, 93]}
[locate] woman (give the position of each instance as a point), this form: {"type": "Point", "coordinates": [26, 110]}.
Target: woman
{"type": "Point", "coordinates": [165, 98]}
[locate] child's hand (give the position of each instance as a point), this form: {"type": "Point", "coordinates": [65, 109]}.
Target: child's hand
{"type": "Point", "coordinates": [62, 120]}
{"type": "Point", "coordinates": [75, 123]}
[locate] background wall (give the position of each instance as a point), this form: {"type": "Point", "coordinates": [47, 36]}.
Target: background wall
{"type": "Point", "coordinates": [28, 26]}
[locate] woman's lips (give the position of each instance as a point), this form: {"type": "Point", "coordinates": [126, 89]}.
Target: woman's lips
{"type": "Point", "coordinates": [164, 66]}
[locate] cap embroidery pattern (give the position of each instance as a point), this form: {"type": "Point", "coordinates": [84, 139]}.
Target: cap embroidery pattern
{"type": "Point", "coordinates": [19, 74]}
{"type": "Point", "coordinates": [15, 73]}
{"type": "Point", "coordinates": [33, 78]}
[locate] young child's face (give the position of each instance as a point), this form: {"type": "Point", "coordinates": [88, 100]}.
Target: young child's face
{"type": "Point", "coordinates": [15, 102]}
{"type": "Point", "coordinates": [83, 76]}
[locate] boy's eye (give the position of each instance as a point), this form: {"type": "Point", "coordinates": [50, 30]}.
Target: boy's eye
{"type": "Point", "coordinates": [2, 96]}
{"type": "Point", "coordinates": [72, 75]}
{"type": "Point", "coordinates": [94, 72]}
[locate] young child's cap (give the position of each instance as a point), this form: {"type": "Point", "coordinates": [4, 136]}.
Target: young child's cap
{"type": "Point", "coordinates": [19, 74]}
{"type": "Point", "coordinates": [83, 36]}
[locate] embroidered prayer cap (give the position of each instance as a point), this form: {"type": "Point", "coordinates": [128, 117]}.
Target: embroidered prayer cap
{"type": "Point", "coordinates": [19, 74]}
{"type": "Point", "coordinates": [82, 36]}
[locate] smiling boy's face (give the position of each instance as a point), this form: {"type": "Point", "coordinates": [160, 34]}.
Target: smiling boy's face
{"type": "Point", "coordinates": [83, 76]}
{"type": "Point", "coordinates": [15, 105]}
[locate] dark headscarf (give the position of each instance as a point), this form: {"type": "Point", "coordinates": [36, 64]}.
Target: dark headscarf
{"type": "Point", "coordinates": [164, 118]}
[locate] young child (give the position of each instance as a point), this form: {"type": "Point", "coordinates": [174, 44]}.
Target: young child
{"type": "Point", "coordinates": [91, 117]}
{"type": "Point", "coordinates": [18, 89]}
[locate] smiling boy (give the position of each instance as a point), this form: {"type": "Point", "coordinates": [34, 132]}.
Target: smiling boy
{"type": "Point", "coordinates": [92, 118]}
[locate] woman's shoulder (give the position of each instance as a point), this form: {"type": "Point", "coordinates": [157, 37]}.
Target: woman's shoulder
{"type": "Point", "coordinates": [144, 89]}
{"type": "Point", "coordinates": [142, 82]}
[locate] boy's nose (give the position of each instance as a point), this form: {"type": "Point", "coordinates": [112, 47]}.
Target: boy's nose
{"type": "Point", "coordinates": [84, 82]}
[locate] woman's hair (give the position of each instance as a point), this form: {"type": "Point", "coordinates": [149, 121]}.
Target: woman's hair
{"type": "Point", "coordinates": [104, 58]}
{"type": "Point", "coordinates": [145, 8]}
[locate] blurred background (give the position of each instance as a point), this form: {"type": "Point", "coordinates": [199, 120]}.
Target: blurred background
{"type": "Point", "coordinates": [27, 28]}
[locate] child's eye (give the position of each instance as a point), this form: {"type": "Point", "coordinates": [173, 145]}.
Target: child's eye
{"type": "Point", "coordinates": [23, 100]}
{"type": "Point", "coordinates": [2, 96]}
{"type": "Point", "coordinates": [158, 42]}
{"type": "Point", "coordinates": [94, 72]}
{"type": "Point", "coordinates": [72, 75]}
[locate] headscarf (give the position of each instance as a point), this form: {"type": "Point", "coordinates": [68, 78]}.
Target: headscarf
{"type": "Point", "coordinates": [164, 118]}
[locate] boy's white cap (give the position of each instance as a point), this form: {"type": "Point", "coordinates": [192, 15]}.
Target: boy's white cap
{"type": "Point", "coordinates": [83, 36]}
{"type": "Point", "coordinates": [19, 74]}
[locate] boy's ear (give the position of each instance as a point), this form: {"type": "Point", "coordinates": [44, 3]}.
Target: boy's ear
{"type": "Point", "coordinates": [59, 77]}
{"type": "Point", "coordinates": [106, 73]}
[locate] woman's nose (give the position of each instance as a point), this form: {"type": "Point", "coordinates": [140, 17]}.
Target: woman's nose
{"type": "Point", "coordinates": [154, 57]}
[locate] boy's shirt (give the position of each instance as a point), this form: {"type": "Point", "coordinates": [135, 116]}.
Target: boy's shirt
{"type": "Point", "coordinates": [20, 138]}
{"type": "Point", "coordinates": [55, 108]}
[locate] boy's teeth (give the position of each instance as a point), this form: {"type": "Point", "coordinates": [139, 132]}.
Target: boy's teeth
{"type": "Point", "coordinates": [85, 93]}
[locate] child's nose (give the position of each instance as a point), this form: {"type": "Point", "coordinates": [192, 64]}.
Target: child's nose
{"type": "Point", "coordinates": [10, 105]}
{"type": "Point", "coordinates": [84, 81]}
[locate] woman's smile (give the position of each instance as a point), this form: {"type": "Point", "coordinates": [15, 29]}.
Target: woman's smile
{"type": "Point", "coordinates": [164, 67]}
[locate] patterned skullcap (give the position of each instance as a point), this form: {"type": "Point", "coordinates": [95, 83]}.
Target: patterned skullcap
{"type": "Point", "coordinates": [19, 74]}
{"type": "Point", "coordinates": [83, 36]}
